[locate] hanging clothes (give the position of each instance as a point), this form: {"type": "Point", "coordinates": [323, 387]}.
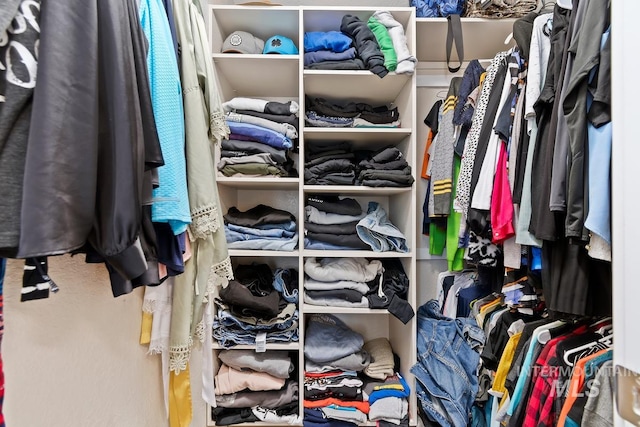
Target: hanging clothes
{"type": "Point", "coordinates": [209, 265]}
{"type": "Point", "coordinates": [112, 124]}
{"type": "Point", "coordinates": [3, 265]}
{"type": "Point", "coordinates": [18, 69]}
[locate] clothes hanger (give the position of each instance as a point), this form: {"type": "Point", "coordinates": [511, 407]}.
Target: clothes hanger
{"type": "Point", "coordinates": [600, 344]}
{"type": "Point", "coordinates": [442, 93]}
{"type": "Point", "coordinates": [545, 335]}
{"type": "Point", "coordinates": [601, 322]}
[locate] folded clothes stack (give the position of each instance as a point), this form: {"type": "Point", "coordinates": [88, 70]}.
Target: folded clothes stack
{"type": "Point", "coordinates": [335, 163]}
{"type": "Point", "coordinates": [330, 223]}
{"type": "Point", "coordinates": [261, 227]}
{"type": "Point", "coordinates": [330, 50]}
{"type": "Point", "coordinates": [387, 391]}
{"type": "Point", "coordinates": [340, 282]}
{"type": "Point", "coordinates": [252, 386]}
{"type": "Point", "coordinates": [388, 400]}
{"type": "Point", "coordinates": [333, 357]}
{"type": "Point", "coordinates": [322, 113]}
{"type": "Point", "coordinates": [359, 283]}
{"type": "Point", "coordinates": [262, 133]}
{"type": "Point", "coordinates": [257, 307]}
{"type": "Point", "coordinates": [329, 163]}
{"type": "Point", "coordinates": [378, 45]}
{"type": "Point", "coordinates": [335, 223]}
{"type": "Point", "coordinates": [385, 168]}
{"type": "Point", "coordinates": [349, 381]}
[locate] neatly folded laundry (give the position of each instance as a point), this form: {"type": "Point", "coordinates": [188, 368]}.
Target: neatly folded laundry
{"type": "Point", "coordinates": [261, 105]}
{"type": "Point", "coordinates": [326, 40]}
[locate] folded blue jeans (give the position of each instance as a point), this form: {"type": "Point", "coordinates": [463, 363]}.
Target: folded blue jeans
{"type": "Point", "coordinates": [289, 295]}
{"type": "Point", "coordinates": [261, 232]}
{"type": "Point", "coordinates": [260, 134]}
{"type": "Point", "coordinates": [237, 240]}
{"type": "Point", "coordinates": [228, 337]}
{"type": "Point", "coordinates": [228, 320]}
{"type": "Point", "coordinates": [376, 230]}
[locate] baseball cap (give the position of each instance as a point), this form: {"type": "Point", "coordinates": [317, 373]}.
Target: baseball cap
{"type": "Point", "coordinates": [243, 42]}
{"type": "Point", "coordinates": [280, 44]}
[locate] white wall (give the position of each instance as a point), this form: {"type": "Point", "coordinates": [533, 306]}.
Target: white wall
{"type": "Point", "coordinates": [74, 359]}
{"type": "Point", "coordinates": [430, 88]}
{"type": "Point", "coordinates": [626, 202]}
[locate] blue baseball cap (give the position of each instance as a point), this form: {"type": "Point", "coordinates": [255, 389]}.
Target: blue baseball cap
{"type": "Point", "coordinates": [281, 45]}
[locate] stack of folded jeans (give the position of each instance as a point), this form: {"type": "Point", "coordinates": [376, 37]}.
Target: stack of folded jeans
{"type": "Point", "coordinates": [259, 375]}
{"type": "Point", "coordinates": [330, 223]}
{"type": "Point", "coordinates": [261, 227]}
{"type": "Point", "coordinates": [385, 168]}
{"type": "Point", "coordinates": [251, 310]}
{"type": "Point", "coordinates": [340, 282]}
{"type": "Point", "coordinates": [377, 231]}
{"type": "Point", "coordinates": [333, 357]}
{"type": "Point", "coordinates": [262, 133]}
{"type": "Point", "coordinates": [329, 163]}
{"type": "Point", "coordinates": [330, 50]}
{"type": "Point", "coordinates": [388, 400]}
{"type": "Point", "coordinates": [322, 113]}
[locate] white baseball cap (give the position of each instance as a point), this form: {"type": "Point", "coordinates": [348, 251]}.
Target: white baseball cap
{"type": "Point", "coordinates": [242, 42]}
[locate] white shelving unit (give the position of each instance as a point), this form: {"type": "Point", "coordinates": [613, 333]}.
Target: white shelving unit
{"type": "Point", "coordinates": [363, 86]}
{"type": "Point", "coordinates": [283, 78]}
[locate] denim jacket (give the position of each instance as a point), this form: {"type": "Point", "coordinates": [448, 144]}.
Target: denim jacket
{"type": "Point", "coordinates": [448, 360]}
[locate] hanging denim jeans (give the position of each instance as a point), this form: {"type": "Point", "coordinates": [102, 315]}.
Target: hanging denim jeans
{"type": "Point", "coordinates": [448, 357]}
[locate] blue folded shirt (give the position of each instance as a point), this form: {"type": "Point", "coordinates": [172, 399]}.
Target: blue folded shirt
{"type": "Point", "coordinates": [335, 41]}
{"type": "Point", "coordinates": [260, 134]}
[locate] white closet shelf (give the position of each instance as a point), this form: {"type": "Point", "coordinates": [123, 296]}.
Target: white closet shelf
{"type": "Point", "coordinates": [245, 74]}
{"type": "Point", "coordinates": [326, 18]}
{"type": "Point", "coordinates": [292, 346]}
{"type": "Point", "coordinates": [261, 183]}
{"type": "Point", "coordinates": [245, 57]}
{"type": "Point", "coordinates": [259, 253]}
{"type": "Point", "coordinates": [483, 38]}
{"type": "Point", "coordinates": [261, 21]}
{"type": "Point", "coordinates": [354, 85]}
{"type": "Point", "coordinates": [355, 189]}
{"type": "Point", "coordinates": [353, 254]}
{"type": "Point", "coordinates": [358, 137]}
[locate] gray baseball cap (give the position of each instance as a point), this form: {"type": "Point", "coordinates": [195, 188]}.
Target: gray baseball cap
{"type": "Point", "coordinates": [243, 42]}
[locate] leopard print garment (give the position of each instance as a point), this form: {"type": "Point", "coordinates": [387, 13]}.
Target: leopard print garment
{"type": "Point", "coordinates": [461, 203]}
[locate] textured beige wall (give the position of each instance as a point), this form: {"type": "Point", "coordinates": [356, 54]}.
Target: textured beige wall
{"type": "Point", "coordinates": [74, 360]}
